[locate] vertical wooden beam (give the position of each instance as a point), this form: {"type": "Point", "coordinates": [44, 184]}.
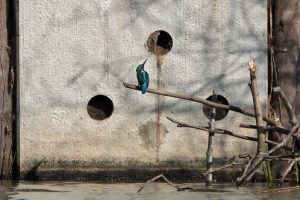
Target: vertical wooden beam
{"type": "Point", "coordinates": [7, 88]}
{"type": "Point", "coordinates": [285, 43]}
{"type": "Point", "coordinates": [286, 33]}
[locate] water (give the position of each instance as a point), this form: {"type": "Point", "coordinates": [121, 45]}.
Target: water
{"type": "Point", "coordinates": [128, 191]}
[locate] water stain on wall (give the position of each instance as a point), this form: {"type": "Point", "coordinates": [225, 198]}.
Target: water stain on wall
{"type": "Point", "coordinates": [148, 133]}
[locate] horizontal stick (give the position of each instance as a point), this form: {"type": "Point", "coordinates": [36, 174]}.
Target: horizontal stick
{"type": "Point", "coordinates": [224, 132]}
{"type": "Point", "coordinates": [218, 131]}
{"type": "Point", "coordinates": [273, 129]}
{"type": "Point", "coordinates": [214, 170]}
{"type": "Point", "coordinates": [199, 100]}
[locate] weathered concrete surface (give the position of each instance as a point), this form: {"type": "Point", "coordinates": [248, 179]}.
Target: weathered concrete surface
{"type": "Point", "coordinates": [70, 51]}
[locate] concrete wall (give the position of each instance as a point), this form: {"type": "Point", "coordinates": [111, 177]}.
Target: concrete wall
{"type": "Point", "coordinates": [70, 51]}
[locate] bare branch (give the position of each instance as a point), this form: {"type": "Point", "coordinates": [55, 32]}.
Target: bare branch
{"type": "Point", "coordinates": [218, 131]}
{"type": "Point", "coordinates": [283, 143]}
{"type": "Point", "coordinates": [199, 100]}
{"type": "Point", "coordinates": [261, 133]}
{"type": "Point", "coordinates": [288, 169]}
{"type": "Point", "coordinates": [271, 129]}
{"type": "Point", "coordinates": [252, 166]}
{"type": "Point", "coordinates": [286, 189]}
{"type": "Point", "coordinates": [223, 132]}
{"type": "Point", "coordinates": [289, 108]}
{"type": "Point", "coordinates": [158, 177]}
{"type": "Point", "coordinates": [214, 170]}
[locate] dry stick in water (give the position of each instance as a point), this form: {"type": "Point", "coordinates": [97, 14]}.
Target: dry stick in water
{"type": "Point", "coordinates": [158, 177]}
{"type": "Point", "coordinates": [277, 190]}
{"type": "Point", "coordinates": [199, 100]}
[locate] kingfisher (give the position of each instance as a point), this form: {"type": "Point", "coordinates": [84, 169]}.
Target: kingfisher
{"type": "Point", "coordinates": [143, 77]}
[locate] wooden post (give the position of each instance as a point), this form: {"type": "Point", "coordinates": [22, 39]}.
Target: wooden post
{"type": "Point", "coordinates": [284, 46]}
{"type": "Point", "coordinates": [209, 153]}
{"type": "Point", "coordinates": [7, 88]}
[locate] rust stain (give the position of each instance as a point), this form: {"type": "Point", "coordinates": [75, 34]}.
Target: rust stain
{"type": "Point", "coordinates": [158, 103]}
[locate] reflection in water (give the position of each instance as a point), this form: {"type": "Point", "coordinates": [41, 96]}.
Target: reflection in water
{"type": "Point", "coordinates": [93, 191]}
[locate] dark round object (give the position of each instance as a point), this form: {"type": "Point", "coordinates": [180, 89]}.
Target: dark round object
{"type": "Point", "coordinates": [159, 43]}
{"type": "Point", "coordinates": [100, 107]}
{"type": "Point", "coordinates": [220, 113]}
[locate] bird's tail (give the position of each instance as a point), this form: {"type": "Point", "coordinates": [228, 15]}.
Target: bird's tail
{"type": "Point", "coordinates": [144, 88]}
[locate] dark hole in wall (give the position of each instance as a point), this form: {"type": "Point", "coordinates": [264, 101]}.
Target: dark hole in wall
{"type": "Point", "coordinates": [159, 42]}
{"type": "Point", "coordinates": [100, 107]}
{"type": "Point", "coordinates": [220, 113]}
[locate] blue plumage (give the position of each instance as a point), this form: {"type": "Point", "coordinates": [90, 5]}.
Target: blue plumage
{"type": "Point", "coordinates": [143, 77]}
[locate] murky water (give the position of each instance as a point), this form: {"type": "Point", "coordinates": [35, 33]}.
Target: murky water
{"type": "Point", "coordinates": [93, 191]}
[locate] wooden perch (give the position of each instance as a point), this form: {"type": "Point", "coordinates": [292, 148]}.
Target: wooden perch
{"type": "Point", "coordinates": [202, 101]}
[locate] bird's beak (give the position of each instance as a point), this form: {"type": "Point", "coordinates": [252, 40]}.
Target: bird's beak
{"type": "Point", "coordinates": [145, 61]}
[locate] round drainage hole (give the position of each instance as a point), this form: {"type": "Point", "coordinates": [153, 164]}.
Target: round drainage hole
{"type": "Point", "coordinates": [220, 113]}
{"type": "Point", "coordinates": [159, 43]}
{"type": "Point", "coordinates": [100, 107]}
